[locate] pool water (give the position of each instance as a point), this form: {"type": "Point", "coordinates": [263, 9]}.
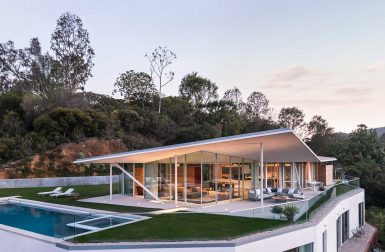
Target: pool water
{"type": "Point", "coordinates": [54, 223]}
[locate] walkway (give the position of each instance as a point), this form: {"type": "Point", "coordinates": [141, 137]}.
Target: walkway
{"type": "Point", "coordinates": [360, 244]}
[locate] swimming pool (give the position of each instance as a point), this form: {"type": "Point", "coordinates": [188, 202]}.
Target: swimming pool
{"type": "Point", "coordinates": [56, 222]}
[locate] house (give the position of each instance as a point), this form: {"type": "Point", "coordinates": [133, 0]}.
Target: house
{"type": "Point", "coordinates": [219, 174]}
{"type": "Point", "coordinates": [221, 169]}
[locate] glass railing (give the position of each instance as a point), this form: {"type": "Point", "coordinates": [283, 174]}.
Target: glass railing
{"type": "Point", "coordinates": [301, 207]}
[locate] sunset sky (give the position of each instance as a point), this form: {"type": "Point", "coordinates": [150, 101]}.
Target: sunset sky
{"type": "Point", "coordinates": [326, 57]}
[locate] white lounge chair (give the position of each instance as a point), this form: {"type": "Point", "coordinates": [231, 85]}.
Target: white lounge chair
{"type": "Point", "coordinates": [69, 192]}
{"type": "Point", "coordinates": [57, 190]}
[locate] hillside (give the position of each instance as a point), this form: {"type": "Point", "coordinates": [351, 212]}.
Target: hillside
{"type": "Point", "coordinates": [59, 161]}
{"type": "Point", "coordinates": [380, 131]}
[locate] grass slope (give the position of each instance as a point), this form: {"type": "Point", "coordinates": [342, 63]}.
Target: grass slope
{"type": "Point", "coordinates": [184, 226]}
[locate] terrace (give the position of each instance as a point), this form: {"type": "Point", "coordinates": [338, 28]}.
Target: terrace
{"type": "Point", "coordinates": [188, 224]}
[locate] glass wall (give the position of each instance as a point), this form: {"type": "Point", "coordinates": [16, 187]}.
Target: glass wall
{"type": "Point", "coordinates": [287, 175]}
{"type": "Point", "coordinates": [165, 175]}
{"type": "Point", "coordinates": [151, 180]}
{"type": "Point", "coordinates": [272, 175]}
{"type": "Point", "coordinates": [127, 183]}
{"type": "Point", "coordinates": [203, 177]}
{"type": "Point", "coordinates": [209, 175]}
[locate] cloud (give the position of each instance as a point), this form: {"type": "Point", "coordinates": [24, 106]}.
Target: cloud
{"type": "Point", "coordinates": [354, 91]}
{"type": "Point", "coordinates": [285, 78]}
{"type": "Point", "coordinates": [375, 66]}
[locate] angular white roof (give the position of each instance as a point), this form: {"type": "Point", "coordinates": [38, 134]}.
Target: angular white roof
{"type": "Point", "coordinates": [280, 145]}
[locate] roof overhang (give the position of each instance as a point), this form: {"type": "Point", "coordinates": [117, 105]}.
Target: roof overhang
{"type": "Point", "coordinates": [280, 145]}
{"type": "Point", "coordinates": [327, 159]}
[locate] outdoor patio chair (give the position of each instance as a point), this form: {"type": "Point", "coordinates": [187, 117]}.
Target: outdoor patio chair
{"type": "Point", "coordinates": [290, 192]}
{"type": "Point", "coordinates": [252, 195]}
{"type": "Point", "coordinates": [355, 233]}
{"type": "Point", "coordinates": [298, 196]}
{"type": "Point", "coordinates": [56, 190]}
{"type": "Point", "coordinates": [360, 230]}
{"type": "Point", "coordinates": [69, 192]}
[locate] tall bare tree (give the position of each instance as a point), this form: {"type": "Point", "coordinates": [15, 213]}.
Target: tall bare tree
{"type": "Point", "coordinates": [160, 59]}
{"type": "Point", "coordinates": [73, 53]}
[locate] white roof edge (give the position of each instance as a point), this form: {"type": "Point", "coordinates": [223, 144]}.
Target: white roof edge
{"type": "Point", "coordinates": [326, 159]}
{"type": "Point", "coordinates": [307, 147]}
{"type": "Point", "coordinates": [191, 144]}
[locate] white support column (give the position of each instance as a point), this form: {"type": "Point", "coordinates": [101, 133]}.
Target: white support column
{"type": "Point", "coordinates": [176, 181]}
{"type": "Point", "coordinates": [133, 182]}
{"type": "Point", "coordinates": [265, 174]}
{"type": "Point", "coordinates": [261, 169]}
{"type": "Point", "coordinates": [185, 179]}
{"type": "Point", "coordinates": [231, 180]}
{"type": "Point", "coordinates": [283, 175]}
{"type": "Point", "coordinates": [110, 181]}
{"type": "Point", "coordinates": [216, 178]}
{"type": "Point", "coordinates": [243, 179]}
{"type": "Point", "coordinates": [239, 180]}
{"type": "Point", "coordinates": [201, 179]}
{"type": "Point", "coordinates": [170, 179]}
{"type": "Point", "coordinates": [292, 175]}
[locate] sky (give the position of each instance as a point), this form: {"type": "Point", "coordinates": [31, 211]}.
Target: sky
{"type": "Point", "coordinates": [326, 57]}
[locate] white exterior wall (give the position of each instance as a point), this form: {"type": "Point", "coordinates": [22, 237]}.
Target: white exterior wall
{"type": "Point", "coordinates": [329, 223]}
{"type": "Point", "coordinates": [10, 241]}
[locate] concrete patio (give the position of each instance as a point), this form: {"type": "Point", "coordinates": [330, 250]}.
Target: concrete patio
{"type": "Point", "coordinates": [235, 207]}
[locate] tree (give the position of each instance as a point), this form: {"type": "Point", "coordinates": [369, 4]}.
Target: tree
{"type": "Point", "coordinates": [293, 118]}
{"type": "Point", "coordinates": [362, 155]}
{"type": "Point", "coordinates": [26, 70]}
{"type": "Point", "coordinates": [257, 105]}
{"type": "Point", "coordinates": [234, 95]}
{"type": "Point", "coordinates": [73, 52]}
{"type": "Point", "coordinates": [321, 137]}
{"type": "Point", "coordinates": [224, 114]}
{"type": "Point", "coordinates": [160, 59]}
{"type": "Point", "coordinates": [319, 126]}
{"type": "Point", "coordinates": [135, 87]}
{"type": "Point", "coordinates": [197, 89]}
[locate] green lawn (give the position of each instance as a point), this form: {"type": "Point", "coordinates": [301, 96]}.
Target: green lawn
{"type": "Point", "coordinates": [85, 191]}
{"type": "Point", "coordinates": [183, 226]}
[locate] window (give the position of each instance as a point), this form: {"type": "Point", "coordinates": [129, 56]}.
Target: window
{"type": "Point", "coordinates": [342, 228]}
{"type": "Point", "coordinates": [338, 226]}
{"type": "Point", "coordinates": [324, 241]}
{"type": "Point", "coordinates": [345, 226]}
{"type": "Point", "coordinates": [361, 212]}
{"type": "Point", "coordinates": [304, 248]}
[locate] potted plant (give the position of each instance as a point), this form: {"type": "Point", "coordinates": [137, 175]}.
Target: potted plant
{"type": "Point", "coordinates": [277, 211]}
{"type": "Point", "coordinates": [289, 211]}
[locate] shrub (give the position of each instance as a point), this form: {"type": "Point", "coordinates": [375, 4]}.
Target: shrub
{"type": "Point", "coordinates": [289, 211]}
{"type": "Point", "coordinates": [277, 209]}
